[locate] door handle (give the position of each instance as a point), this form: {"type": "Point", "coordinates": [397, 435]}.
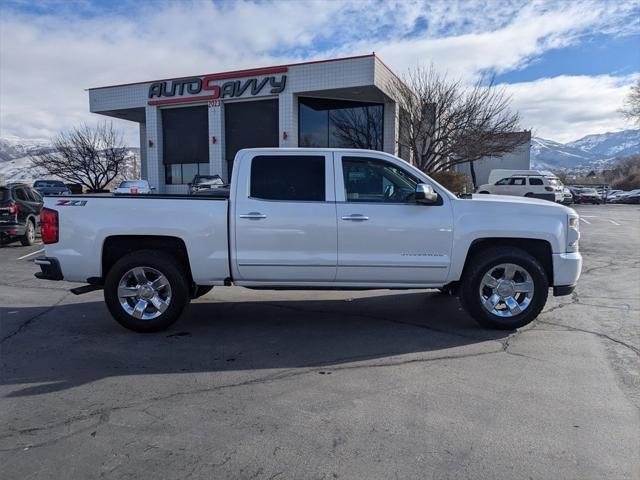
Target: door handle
{"type": "Point", "coordinates": [253, 215]}
{"type": "Point", "coordinates": [356, 217]}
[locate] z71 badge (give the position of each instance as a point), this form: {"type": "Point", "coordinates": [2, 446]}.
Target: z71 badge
{"type": "Point", "coordinates": [71, 203]}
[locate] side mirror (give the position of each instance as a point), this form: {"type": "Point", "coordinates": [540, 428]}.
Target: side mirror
{"type": "Point", "coordinates": [425, 194]}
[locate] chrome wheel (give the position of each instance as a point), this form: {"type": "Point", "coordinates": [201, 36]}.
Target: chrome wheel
{"type": "Point", "coordinates": [31, 232]}
{"type": "Point", "coordinates": [144, 293]}
{"type": "Point", "coordinates": [506, 290]}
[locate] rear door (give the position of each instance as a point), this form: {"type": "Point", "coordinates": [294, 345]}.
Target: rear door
{"type": "Point", "coordinates": [284, 218]}
{"type": "Point", "coordinates": [517, 186]}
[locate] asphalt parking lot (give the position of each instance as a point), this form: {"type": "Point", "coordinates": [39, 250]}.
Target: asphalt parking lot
{"type": "Point", "coordinates": [293, 385]}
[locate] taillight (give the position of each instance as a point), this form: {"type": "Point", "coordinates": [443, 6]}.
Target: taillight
{"type": "Point", "coordinates": [14, 209]}
{"type": "Point", "coordinates": [549, 189]}
{"type": "Point", "coordinates": [49, 225]}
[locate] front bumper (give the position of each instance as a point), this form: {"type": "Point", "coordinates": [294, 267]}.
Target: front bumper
{"type": "Point", "coordinates": [49, 268]}
{"type": "Point", "coordinates": [566, 272]}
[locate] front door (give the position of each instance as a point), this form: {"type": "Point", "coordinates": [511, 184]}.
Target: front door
{"type": "Point", "coordinates": [384, 236]}
{"type": "Point", "coordinates": [285, 218]}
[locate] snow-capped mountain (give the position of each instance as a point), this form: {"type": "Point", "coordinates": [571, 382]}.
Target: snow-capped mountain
{"type": "Point", "coordinates": [15, 159]}
{"type": "Point", "coordinates": [593, 151]}
{"type": "Point", "coordinates": [614, 144]}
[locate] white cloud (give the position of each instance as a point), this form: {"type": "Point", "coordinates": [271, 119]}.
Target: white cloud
{"type": "Point", "coordinates": [566, 108]}
{"type": "Point", "coordinates": [46, 61]}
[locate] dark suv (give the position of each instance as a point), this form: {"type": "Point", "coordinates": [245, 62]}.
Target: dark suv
{"type": "Point", "coordinates": [20, 208]}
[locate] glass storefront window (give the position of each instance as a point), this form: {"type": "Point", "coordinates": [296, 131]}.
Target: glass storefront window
{"type": "Point", "coordinates": [339, 123]}
{"type": "Point", "coordinates": [183, 173]}
{"type": "Point", "coordinates": [314, 126]}
{"type": "Point", "coordinates": [189, 170]}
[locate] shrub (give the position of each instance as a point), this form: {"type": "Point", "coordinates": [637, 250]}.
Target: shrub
{"type": "Point", "coordinates": [455, 182]}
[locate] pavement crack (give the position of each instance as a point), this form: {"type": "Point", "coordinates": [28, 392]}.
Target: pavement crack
{"type": "Point", "coordinates": [598, 334]}
{"type": "Point", "coordinates": [27, 322]}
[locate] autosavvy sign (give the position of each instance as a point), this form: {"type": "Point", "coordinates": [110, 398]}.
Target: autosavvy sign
{"type": "Point", "coordinates": [184, 89]}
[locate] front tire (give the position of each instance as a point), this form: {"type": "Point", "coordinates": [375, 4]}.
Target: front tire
{"type": "Point", "coordinates": [146, 291]}
{"type": "Point", "coordinates": [504, 288]}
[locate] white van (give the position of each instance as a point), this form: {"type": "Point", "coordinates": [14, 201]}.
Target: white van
{"type": "Point", "coordinates": [524, 183]}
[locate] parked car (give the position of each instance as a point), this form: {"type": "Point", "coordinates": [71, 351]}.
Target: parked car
{"type": "Point", "coordinates": [51, 187]}
{"type": "Point", "coordinates": [567, 196]}
{"type": "Point", "coordinates": [587, 195]}
{"type": "Point", "coordinates": [631, 197]}
{"type": "Point", "coordinates": [305, 218]}
{"type": "Point", "coordinates": [524, 183]}
{"type": "Point", "coordinates": [75, 188]}
{"type": "Point", "coordinates": [205, 182]}
{"type": "Point", "coordinates": [133, 187]}
{"type": "Point", "coordinates": [20, 207]}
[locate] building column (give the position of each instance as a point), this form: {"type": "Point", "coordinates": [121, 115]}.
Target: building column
{"type": "Point", "coordinates": [143, 150]}
{"type": "Point", "coordinates": [390, 135]}
{"type": "Point", "coordinates": [153, 147]}
{"type": "Point", "coordinates": [217, 160]}
{"type": "Point", "coordinates": [288, 119]}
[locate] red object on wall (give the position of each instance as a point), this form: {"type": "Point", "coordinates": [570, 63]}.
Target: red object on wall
{"type": "Point", "coordinates": [285, 135]}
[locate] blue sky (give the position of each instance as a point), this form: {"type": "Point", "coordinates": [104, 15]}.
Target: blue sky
{"type": "Point", "coordinates": [566, 64]}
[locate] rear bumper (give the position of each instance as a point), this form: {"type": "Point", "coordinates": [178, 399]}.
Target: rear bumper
{"type": "Point", "coordinates": [49, 268]}
{"type": "Point", "coordinates": [12, 228]}
{"type": "Point", "coordinates": [566, 271]}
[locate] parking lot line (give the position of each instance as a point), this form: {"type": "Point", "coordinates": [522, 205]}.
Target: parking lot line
{"type": "Point", "coordinates": [32, 253]}
{"type": "Point", "coordinates": [614, 222]}
{"type": "Point", "coordinates": [582, 219]}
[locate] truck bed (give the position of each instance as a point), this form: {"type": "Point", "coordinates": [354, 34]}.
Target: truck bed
{"type": "Point", "coordinates": [200, 222]}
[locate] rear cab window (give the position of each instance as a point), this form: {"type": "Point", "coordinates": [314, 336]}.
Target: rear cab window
{"type": "Point", "coordinates": [288, 178]}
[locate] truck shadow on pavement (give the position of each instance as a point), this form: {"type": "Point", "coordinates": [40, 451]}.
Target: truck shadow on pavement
{"type": "Point", "coordinates": [62, 347]}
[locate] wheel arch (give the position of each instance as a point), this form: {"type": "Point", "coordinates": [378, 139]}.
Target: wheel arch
{"type": "Point", "coordinates": [540, 249]}
{"type": "Point", "coordinates": [116, 246]}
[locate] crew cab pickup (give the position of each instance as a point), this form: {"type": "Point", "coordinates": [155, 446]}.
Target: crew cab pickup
{"type": "Point", "coordinates": [313, 219]}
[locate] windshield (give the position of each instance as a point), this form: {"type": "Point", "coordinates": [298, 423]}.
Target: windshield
{"type": "Point", "coordinates": [48, 183]}
{"type": "Point", "coordinates": [588, 190]}
{"type": "Point", "coordinates": [213, 179]}
{"type": "Point", "coordinates": [130, 183]}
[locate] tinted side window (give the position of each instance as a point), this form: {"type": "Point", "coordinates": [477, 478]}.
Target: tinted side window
{"type": "Point", "coordinates": [20, 194]}
{"type": "Point", "coordinates": [296, 178]}
{"type": "Point", "coordinates": [517, 181]}
{"type": "Point", "coordinates": [535, 181]}
{"type": "Point", "coordinates": [372, 180]}
{"type": "Point", "coordinates": [504, 181]}
{"type": "Point", "coordinates": [34, 195]}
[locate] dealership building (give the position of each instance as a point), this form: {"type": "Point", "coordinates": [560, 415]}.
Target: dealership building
{"type": "Point", "coordinates": [196, 124]}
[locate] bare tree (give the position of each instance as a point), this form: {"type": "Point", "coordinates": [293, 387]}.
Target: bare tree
{"type": "Point", "coordinates": [631, 109]}
{"type": "Point", "coordinates": [90, 156]}
{"type": "Point", "coordinates": [444, 124]}
{"type": "Point", "coordinates": [358, 127]}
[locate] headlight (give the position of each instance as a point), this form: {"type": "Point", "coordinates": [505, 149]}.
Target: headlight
{"type": "Point", "coordinates": [574, 222]}
{"type": "Point", "coordinates": [573, 233]}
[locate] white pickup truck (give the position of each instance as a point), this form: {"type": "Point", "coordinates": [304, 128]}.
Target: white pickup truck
{"type": "Point", "coordinates": [313, 219]}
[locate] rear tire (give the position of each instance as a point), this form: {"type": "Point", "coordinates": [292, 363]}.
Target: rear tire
{"type": "Point", "coordinates": [29, 237]}
{"type": "Point", "coordinates": [146, 291]}
{"type": "Point", "coordinates": [519, 292]}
